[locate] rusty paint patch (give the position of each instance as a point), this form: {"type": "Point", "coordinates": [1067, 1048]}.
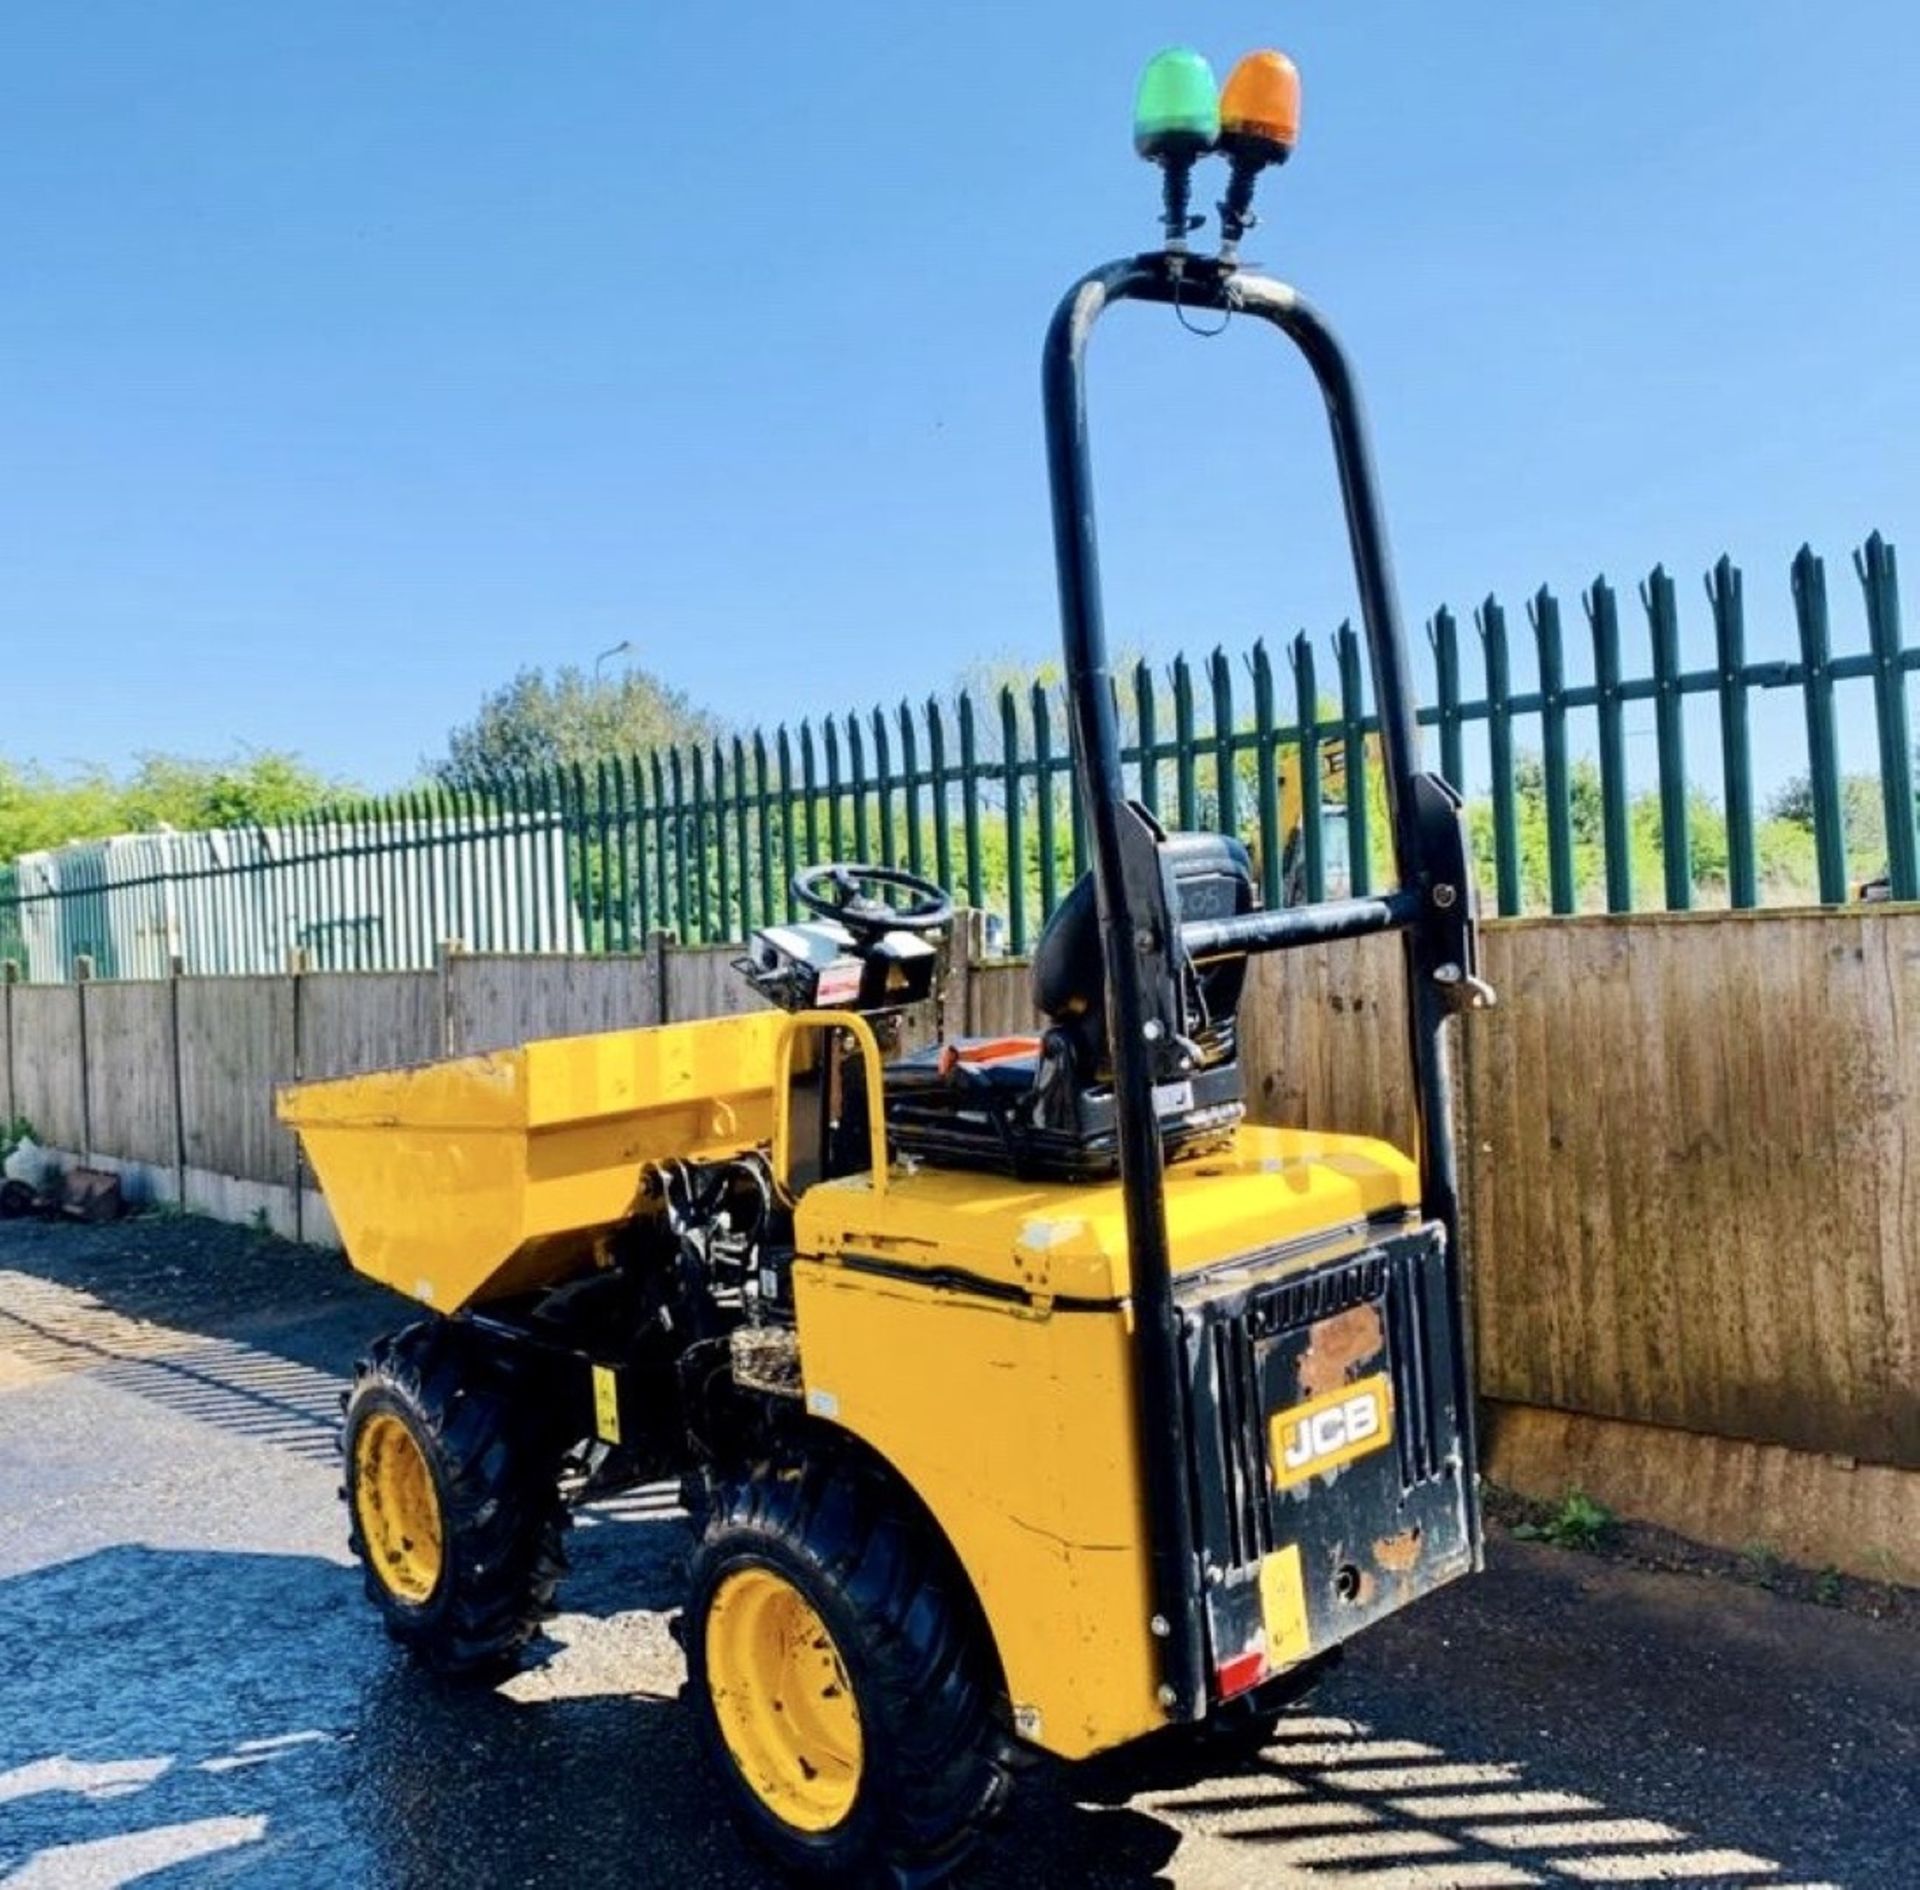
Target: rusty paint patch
{"type": "Point", "coordinates": [1398, 1554]}
{"type": "Point", "coordinates": [1336, 1346]}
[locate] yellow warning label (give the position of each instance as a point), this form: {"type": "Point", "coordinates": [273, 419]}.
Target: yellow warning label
{"type": "Point", "coordinates": [1283, 1607]}
{"type": "Point", "coordinates": [606, 1405]}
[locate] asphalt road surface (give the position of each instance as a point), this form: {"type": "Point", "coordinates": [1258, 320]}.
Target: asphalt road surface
{"type": "Point", "coordinates": [192, 1692]}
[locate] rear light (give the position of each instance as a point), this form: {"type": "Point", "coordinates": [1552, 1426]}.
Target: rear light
{"type": "Point", "coordinates": [1241, 1672]}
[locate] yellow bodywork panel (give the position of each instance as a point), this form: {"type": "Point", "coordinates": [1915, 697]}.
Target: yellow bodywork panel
{"type": "Point", "coordinates": [1268, 1188]}
{"type": "Point", "coordinates": [975, 1332]}
{"type": "Point", "coordinates": [1016, 1429]}
{"type": "Point", "coordinates": [465, 1180]}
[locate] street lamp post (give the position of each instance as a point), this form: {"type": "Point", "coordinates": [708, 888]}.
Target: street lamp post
{"type": "Point", "coordinates": [619, 649]}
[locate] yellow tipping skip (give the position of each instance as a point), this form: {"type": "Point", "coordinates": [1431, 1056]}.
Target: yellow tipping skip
{"type": "Point", "coordinates": [487, 1175]}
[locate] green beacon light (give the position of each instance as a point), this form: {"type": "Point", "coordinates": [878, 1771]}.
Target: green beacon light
{"type": "Point", "coordinates": [1176, 120]}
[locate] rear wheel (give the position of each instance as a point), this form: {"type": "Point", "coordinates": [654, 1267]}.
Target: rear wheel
{"type": "Point", "coordinates": [841, 1680]}
{"type": "Point", "coordinates": [453, 1500]}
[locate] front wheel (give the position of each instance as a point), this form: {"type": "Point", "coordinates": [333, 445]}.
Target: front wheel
{"type": "Point", "coordinates": [841, 1680]}
{"type": "Point", "coordinates": [453, 1500]}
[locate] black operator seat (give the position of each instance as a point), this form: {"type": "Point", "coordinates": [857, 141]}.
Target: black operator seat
{"type": "Point", "coordinates": [1043, 1105]}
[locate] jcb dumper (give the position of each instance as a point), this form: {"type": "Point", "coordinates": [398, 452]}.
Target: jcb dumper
{"type": "Point", "coordinates": [1023, 1393]}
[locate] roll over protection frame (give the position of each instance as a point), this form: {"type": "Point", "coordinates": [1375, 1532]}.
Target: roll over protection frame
{"type": "Point", "coordinates": [1433, 908]}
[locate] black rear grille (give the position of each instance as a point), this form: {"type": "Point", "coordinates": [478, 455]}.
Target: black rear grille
{"type": "Point", "coordinates": [1290, 1304]}
{"type": "Point", "coordinates": [1249, 1518]}
{"type": "Point", "coordinates": [1416, 1421]}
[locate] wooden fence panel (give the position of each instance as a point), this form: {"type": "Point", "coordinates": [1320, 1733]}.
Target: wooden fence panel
{"type": "Point", "coordinates": [701, 982]}
{"type": "Point", "coordinates": [497, 1000]}
{"type": "Point", "coordinates": [352, 1021]}
{"type": "Point", "coordinates": [1691, 1145]}
{"type": "Point", "coordinates": [1695, 1175]}
{"type": "Point", "coordinates": [1324, 1039]}
{"type": "Point", "coordinates": [130, 1099]}
{"type": "Point", "coordinates": [46, 1064]}
{"type": "Point", "coordinates": [1000, 1000]}
{"type": "Point", "coordinates": [236, 1045]}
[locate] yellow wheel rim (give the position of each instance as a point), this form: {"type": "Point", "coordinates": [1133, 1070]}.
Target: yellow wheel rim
{"type": "Point", "coordinates": [781, 1695]}
{"type": "Point", "coordinates": [398, 1507]}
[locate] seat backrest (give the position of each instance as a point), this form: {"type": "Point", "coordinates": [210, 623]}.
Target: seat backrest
{"type": "Point", "coordinates": [1210, 877]}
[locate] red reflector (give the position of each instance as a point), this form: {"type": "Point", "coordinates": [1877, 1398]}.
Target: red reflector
{"type": "Point", "coordinates": [1238, 1674]}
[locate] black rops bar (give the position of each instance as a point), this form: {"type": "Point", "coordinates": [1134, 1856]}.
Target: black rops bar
{"type": "Point", "coordinates": [1137, 928]}
{"type": "Point", "coordinates": [1281, 930]}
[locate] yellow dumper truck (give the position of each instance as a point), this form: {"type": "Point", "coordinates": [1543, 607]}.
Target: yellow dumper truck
{"type": "Point", "coordinates": [1025, 1396]}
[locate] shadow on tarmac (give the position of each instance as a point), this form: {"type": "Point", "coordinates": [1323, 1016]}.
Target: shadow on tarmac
{"type": "Point", "coordinates": [198, 1718]}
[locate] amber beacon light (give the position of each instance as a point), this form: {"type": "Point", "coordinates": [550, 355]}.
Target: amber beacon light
{"type": "Point", "coordinates": [1259, 126]}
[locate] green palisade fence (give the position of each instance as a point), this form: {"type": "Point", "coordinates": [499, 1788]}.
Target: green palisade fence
{"type": "Point", "coordinates": [703, 842]}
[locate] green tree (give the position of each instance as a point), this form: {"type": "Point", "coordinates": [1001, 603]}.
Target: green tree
{"type": "Point", "coordinates": [40, 810]}
{"type": "Point", "coordinates": [258, 788]}
{"type": "Point", "coordinates": [1863, 815]}
{"type": "Point", "coordinates": [537, 722]}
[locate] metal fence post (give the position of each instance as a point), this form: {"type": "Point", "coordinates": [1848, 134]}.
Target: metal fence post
{"type": "Point", "coordinates": [1043, 803]}
{"type": "Point", "coordinates": [789, 862]}
{"type": "Point", "coordinates": [677, 910]}
{"type": "Point", "coordinates": [857, 772]}
{"type": "Point", "coordinates": [1603, 617]}
{"type": "Point", "coordinates": [1186, 786]}
{"type": "Point", "coordinates": [910, 780]}
{"type": "Point", "coordinates": [938, 786]}
{"type": "Point", "coordinates": [970, 802]}
{"type": "Point", "coordinates": [1543, 612]}
{"type": "Point", "coordinates": [1676, 841]}
{"type": "Point", "coordinates": [1353, 715]}
{"type": "Point", "coordinates": [1491, 621]}
{"type": "Point", "coordinates": [1725, 593]}
{"type": "Point", "coordinates": [763, 832]}
{"type": "Point", "coordinates": [1265, 722]}
{"type": "Point", "coordinates": [1306, 696]}
{"type": "Point", "coordinates": [1444, 635]}
{"type": "Point", "coordinates": [1879, 577]}
{"type": "Point", "coordinates": [1823, 746]}
{"type": "Point", "coordinates": [1016, 836]}
{"type": "Point", "coordinates": [701, 924]}
{"type": "Point", "coordinates": [743, 835]}
{"type": "Point", "coordinates": [1226, 785]}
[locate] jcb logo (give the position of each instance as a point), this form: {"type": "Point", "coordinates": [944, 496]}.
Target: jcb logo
{"type": "Point", "coordinates": [1331, 1430]}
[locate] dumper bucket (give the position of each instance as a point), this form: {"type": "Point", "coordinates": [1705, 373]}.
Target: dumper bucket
{"type": "Point", "coordinates": [489, 1175]}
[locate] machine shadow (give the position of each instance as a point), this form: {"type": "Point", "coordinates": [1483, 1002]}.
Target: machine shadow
{"type": "Point", "coordinates": [201, 1717]}
{"type": "Point", "coordinates": [1385, 1801]}
{"type": "Point", "coordinates": [192, 1274]}
{"type": "Point", "coordinates": [242, 1332]}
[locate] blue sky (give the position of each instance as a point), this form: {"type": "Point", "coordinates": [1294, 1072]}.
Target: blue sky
{"type": "Point", "coordinates": [358, 354]}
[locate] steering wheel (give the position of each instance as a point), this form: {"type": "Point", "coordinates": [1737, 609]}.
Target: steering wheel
{"type": "Point", "coordinates": [863, 898]}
